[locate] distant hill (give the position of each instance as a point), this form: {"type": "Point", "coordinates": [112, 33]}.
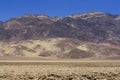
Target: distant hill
{"type": "Point", "coordinates": [89, 35]}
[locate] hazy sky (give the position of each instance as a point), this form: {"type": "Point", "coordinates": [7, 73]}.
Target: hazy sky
{"type": "Point", "coordinates": [14, 8]}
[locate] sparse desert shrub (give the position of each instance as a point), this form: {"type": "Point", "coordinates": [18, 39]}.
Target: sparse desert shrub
{"type": "Point", "coordinates": [60, 71]}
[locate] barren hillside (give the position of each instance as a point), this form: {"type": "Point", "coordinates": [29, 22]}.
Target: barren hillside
{"type": "Point", "coordinates": [93, 35]}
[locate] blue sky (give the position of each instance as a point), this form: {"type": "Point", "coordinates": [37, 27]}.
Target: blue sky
{"type": "Point", "coordinates": [15, 8]}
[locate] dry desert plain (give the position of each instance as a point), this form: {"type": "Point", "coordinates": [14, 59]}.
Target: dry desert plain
{"type": "Point", "coordinates": [53, 69]}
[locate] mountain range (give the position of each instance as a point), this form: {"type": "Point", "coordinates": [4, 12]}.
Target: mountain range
{"type": "Point", "coordinates": [92, 35]}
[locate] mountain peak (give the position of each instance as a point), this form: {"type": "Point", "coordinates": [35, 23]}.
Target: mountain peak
{"type": "Point", "coordinates": [88, 15]}
{"type": "Point", "coordinates": [36, 16]}
{"type": "Point", "coordinates": [95, 12]}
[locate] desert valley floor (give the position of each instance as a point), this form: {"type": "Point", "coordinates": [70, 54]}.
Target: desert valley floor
{"type": "Point", "coordinates": [49, 69]}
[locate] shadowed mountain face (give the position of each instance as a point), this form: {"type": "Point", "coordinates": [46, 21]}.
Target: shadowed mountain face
{"type": "Point", "coordinates": [1, 23]}
{"type": "Point", "coordinates": [93, 27]}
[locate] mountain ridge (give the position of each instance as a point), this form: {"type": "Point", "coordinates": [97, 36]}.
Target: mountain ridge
{"type": "Point", "coordinates": [93, 29]}
{"type": "Point", "coordinates": [83, 21]}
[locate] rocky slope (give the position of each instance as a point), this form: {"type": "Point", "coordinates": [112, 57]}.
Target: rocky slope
{"type": "Point", "coordinates": [60, 48]}
{"type": "Point", "coordinates": [87, 35]}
